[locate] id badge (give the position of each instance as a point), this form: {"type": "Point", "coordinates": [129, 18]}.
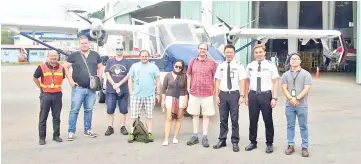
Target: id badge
{"type": "Point", "coordinates": [52, 85]}
{"type": "Point", "coordinates": [231, 74]}
{"type": "Point", "coordinates": [293, 93]}
{"type": "Point", "coordinates": [258, 74]}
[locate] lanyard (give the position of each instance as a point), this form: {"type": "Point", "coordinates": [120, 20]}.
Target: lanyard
{"type": "Point", "coordinates": [294, 78]}
{"type": "Point", "coordinates": [52, 72]}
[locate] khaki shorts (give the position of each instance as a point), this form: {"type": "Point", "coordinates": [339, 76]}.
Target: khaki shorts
{"type": "Point", "coordinates": [207, 104]}
{"type": "Point", "coordinates": [182, 102]}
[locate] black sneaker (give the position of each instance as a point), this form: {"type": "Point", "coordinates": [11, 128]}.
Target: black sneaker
{"type": "Point", "coordinates": [123, 130]}
{"type": "Point", "coordinates": [42, 141]}
{"type": "Point", "coordinates": [57, 139]}
{"type": "Point", "coordinates": [205, 141]}
{"type": "Point", "coordinates": [109, 131]}
{"type": "Point", "coordinates": [193, 140]}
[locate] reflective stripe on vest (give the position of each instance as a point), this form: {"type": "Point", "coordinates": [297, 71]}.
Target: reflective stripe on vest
{"type": "Point", "coordinates": [52, 78]}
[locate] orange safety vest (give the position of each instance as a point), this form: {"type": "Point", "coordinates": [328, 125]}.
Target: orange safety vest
{"type": "Point", "coordinates": [52, 78]}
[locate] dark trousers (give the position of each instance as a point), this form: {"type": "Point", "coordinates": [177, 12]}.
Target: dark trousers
{"type": "Point", "coordinates": [49, 101]}
{"type": "Point", "coordinates": [256, 103]}
{"type": "Point", "coordinates": [229, 105]}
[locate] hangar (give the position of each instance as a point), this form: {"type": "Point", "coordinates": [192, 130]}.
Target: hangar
{"type": "Point", "coordinates": [341, 15]}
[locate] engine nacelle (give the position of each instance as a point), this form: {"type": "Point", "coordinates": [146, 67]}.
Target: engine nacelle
{"type": "Point", "coordinates": [95, 34]}
{"type": "Point", "coordinates": [231, 38]}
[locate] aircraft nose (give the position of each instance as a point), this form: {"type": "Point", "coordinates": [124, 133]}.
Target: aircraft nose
{"type": "Point", "coordinates": [187, 52]}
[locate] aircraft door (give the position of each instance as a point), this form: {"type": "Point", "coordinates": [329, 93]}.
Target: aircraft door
{"type": "Point", "coordinates": [139, 39]}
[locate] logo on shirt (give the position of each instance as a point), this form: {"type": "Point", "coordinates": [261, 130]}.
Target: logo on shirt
{"type": "Point", "coordinates": [118, 70]}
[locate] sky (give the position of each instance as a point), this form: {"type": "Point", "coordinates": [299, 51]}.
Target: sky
{"type": "Point", "coordinates": [45, 9]}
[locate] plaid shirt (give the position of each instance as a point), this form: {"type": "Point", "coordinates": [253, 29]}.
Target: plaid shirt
{"type": "Point", "coordinates": [202, 77]}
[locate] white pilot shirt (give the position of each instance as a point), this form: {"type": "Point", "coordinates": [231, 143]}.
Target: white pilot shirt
{"type": "Point", "coordinates": [268, 73]}
{"type": "Point", "coordinates": [237, 74]}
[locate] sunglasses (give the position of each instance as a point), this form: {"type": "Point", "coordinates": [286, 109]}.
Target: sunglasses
{"type": "Point", "coordinates": [179, 67]}
{"type": "Point", "coordinates": [119, 49]}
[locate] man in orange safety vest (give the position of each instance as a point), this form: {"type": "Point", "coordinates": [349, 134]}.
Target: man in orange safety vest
{"type": "Point", "coordinates": [52, 75]}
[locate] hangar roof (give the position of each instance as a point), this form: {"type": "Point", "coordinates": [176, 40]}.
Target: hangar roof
{"type": "Point", "coordinates": [132, 6]}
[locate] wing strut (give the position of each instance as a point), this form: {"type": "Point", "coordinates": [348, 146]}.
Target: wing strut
{"type": "Point", "coordinates": [239, 49]}
{"type": "Point", "coordinates": [44, 44]}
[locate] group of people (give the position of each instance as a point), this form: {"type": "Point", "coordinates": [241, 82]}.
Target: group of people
{"type": "Point", "coordinates": [198, 89]}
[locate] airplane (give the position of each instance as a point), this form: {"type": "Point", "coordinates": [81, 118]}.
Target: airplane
{"type": "Point", "coordinates": [224, 33]}
{"type": "Point", "coordinates": [166, 39]}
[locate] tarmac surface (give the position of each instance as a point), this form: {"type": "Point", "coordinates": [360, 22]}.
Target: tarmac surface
{"type": "Point", "coordinates": [334, 133]}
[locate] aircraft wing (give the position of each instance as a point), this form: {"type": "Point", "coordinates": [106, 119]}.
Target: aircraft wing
{"type": "Point", "coordinates": [121, 29]}
{"type": "Point", "coordinates": [29, 25]}
{"type": "Point", "coordinates": [284, 33]}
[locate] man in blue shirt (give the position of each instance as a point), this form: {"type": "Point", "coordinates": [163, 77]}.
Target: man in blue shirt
{"type": "Point", "coordinates": [142, 82]}
{"type": "Point", "coordinates": [116, 71]}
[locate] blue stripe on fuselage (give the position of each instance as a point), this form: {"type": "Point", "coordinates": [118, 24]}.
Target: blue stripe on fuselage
{"type": "Point", "coordinates": [187, 52]}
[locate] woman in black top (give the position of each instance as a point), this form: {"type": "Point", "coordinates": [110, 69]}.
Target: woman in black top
{"type": "Point", "coordinates": [174, 98]}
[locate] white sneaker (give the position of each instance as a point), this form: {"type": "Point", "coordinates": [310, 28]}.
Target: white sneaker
{"type": "Point", "coordinates": [175, 140]}
{"type": "Point", "coordinates": [165, 143]}
{"type": "Point", "coordinates": [91, 134]}
{"type": "Point", "coordinates": [71, 136]}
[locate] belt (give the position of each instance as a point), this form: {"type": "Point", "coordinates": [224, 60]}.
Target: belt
{"type": "Point", "coordinates": [231, 92]}
{"type": "Point", "coordinates": [83, 87]}
{"type": "Point", "coordinates": [263, 92]}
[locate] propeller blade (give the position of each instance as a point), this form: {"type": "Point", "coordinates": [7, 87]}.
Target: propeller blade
{"type": "Point", "coordinates": [84, 18]}
{"type": "Point", "coordinates": [249, 22]}
{"type": "Point", "coordinates": [222, 21]}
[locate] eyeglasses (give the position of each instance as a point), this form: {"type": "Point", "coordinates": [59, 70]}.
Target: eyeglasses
{"type": "Point", "coordinates": [179, 67]}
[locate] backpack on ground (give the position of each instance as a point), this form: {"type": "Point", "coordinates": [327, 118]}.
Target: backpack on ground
{"type": "Point", "coordinates": [140, 133]}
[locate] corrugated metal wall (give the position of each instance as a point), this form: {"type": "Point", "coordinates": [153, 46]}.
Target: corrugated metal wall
{"type": "Point", "coordinates": [123, 19]}
{"type": "Point", "coordinates": [236, 13]}
{"type": "Point", "coordinates": [191, 10]}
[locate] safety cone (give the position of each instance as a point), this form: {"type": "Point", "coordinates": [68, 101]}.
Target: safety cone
{"type": "Point", "coordinates": [318, 73]}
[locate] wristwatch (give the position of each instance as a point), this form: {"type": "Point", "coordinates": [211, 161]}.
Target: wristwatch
{"type": "Point", "coordinates": [242, 96]}
{"type": "Point", "coordinates": [274, 98]}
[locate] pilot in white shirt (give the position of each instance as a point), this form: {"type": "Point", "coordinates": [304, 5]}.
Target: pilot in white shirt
{"type": "Point", "coordinates": [262, 83]}
{"type": "Point", "coordinates": [230, 86]}
{"type": "Point", "coordinates": [268, 73]}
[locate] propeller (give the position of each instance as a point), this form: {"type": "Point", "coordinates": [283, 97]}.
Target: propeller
{"type": "Point", "coordinates": [222, 21]}
{"type": "Point", "coordinates": [96, 25]}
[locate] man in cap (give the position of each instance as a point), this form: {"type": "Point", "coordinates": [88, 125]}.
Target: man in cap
{"type": "Point", "coordinates": [116, 71]}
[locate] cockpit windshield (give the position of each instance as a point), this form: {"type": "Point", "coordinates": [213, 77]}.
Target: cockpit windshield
{"type": "Point", "coordinates": [183, 32]}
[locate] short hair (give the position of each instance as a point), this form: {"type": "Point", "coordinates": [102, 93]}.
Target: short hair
{"type": "Point", "coordinates": [204, 44]}
{"type": "Point", "coordinates": [229, 46]}
{"type": "Point", "coordinates": [144, 51]}
{"type": "Point", "coordinates": [82, 37]}
{"type": "Point", "coordinates": [52, 51]}
{"type": "Point", "coordinates": [259, 46]}
{"type": "Point", "coordinates": [295, 53]}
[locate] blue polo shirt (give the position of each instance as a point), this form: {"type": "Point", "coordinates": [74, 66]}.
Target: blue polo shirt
{"type": "Point", "coordinates": [144, 78]}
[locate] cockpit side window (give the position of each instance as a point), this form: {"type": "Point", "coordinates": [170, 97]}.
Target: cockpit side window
{"type": "Point", "coordinates": [181, 32]}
